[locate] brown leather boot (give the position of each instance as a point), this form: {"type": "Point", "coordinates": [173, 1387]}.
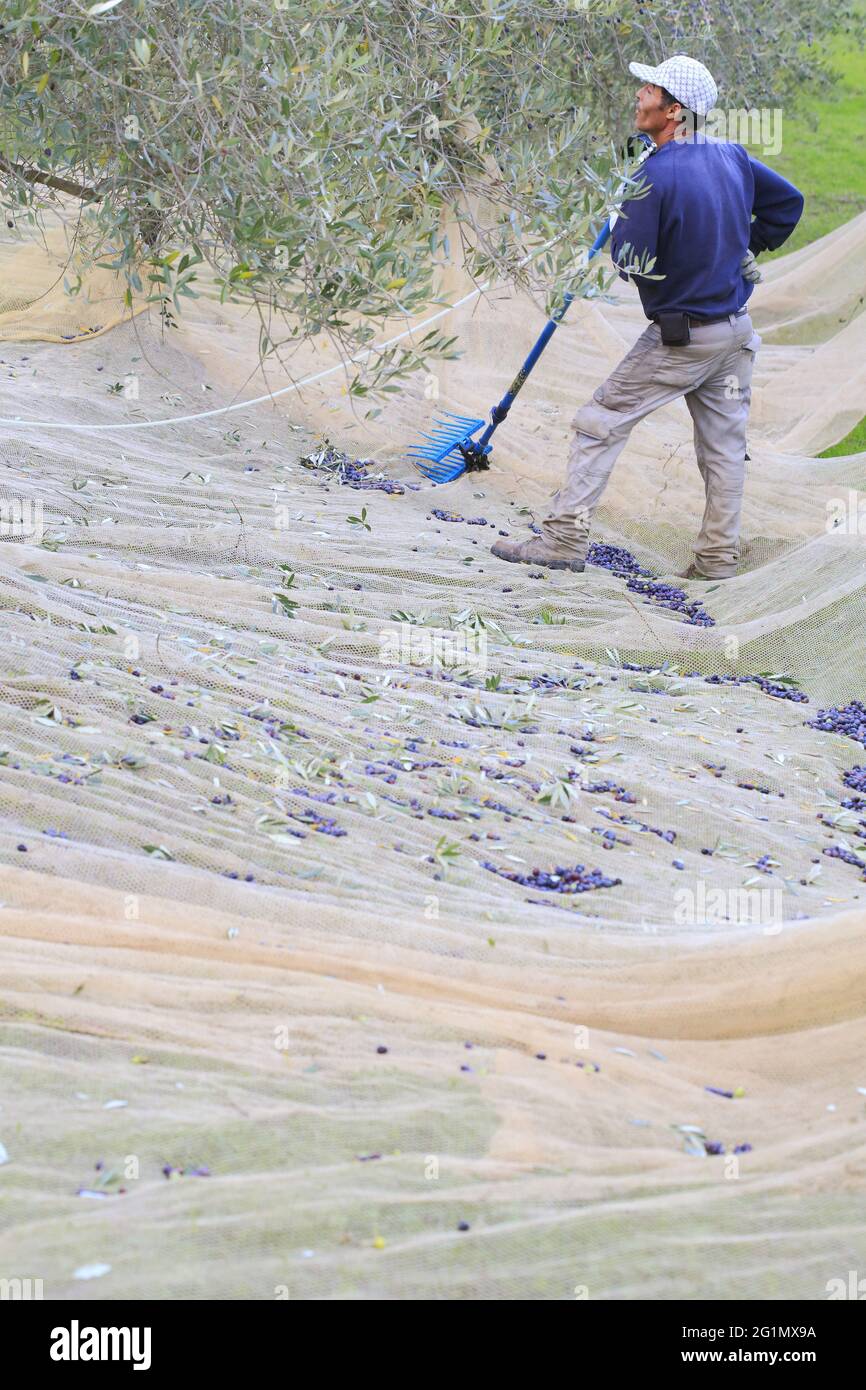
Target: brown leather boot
{"type": "Point", "coordinates": [538, 551]}
{"type": "Point", "coordinates": [694, 573]}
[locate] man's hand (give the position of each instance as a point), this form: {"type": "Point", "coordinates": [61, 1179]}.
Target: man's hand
{"type": "Point", "coordinates": [750, 268]}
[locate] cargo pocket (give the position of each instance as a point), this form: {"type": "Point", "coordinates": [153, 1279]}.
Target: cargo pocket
{"type": "Point", "coordinates": [599, 420]}
{"type": "Point", "coordinates": [746, 366]}
{"type": "Point", "coordinates": [619, 392]}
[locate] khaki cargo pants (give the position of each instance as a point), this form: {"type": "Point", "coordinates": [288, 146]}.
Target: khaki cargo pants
{"type": "Point", "coordinates": [714, 373]}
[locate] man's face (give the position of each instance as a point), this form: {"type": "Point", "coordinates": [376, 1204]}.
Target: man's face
{"type": "Point", "coordinates": [650, 113]}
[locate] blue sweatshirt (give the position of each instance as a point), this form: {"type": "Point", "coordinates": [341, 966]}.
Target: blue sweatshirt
{"type": "Point", "coordinates": [697, 221]}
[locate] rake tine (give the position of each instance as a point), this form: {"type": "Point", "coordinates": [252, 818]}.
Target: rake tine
{"type": "Point", "coordinates": [434, 467]}
{"type": "Point", "coordinates": [471, 420]}
{"type": "Point", "coordinates": [439, 471]}
{"type": "Point", "coordinates": [441, 440]}
{"type": "Point", "coordinates": [442, 475]}
{"type": "Point", "coordinates": [466, 426]}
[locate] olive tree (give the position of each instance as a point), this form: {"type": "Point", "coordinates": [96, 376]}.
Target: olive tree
{"type": "Point", "coordinates": [305, 150]}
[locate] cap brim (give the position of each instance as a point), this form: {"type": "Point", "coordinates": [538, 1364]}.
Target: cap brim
{"type": "Point", "coordinates": [643, 70]}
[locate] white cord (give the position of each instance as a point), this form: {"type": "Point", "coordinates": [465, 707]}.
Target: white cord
{"type": "Point", "coordinates": [258, 400]}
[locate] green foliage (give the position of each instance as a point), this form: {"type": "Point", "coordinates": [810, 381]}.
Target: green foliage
{"type": "Point", "coordinates": [446, 852]}
{"type": "Point", "coordinates": [288, 605]}
{"type": "Point", "coordinates": [303, 151]}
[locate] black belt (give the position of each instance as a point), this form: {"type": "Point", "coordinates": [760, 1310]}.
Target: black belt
{"type": "Point", "coordinates": [719, 318]}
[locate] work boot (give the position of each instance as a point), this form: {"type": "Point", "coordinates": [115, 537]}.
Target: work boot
{"type": "Point", "coordinates": [694, 573]}
{"type": "Point", "coordinates": [538, 551]}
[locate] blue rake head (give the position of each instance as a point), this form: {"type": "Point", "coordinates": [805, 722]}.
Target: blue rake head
{"type": "Point", "coordinates": [450, 449]}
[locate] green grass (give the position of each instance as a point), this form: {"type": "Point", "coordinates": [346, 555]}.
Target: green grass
{"type": "Point", "coordinates": [853, 443]}
{"type": "Point", "coordinates": [825, 160]}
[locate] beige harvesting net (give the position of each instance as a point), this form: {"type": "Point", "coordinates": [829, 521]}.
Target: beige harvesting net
{"type": "Point", "coordinates": [244, 838]}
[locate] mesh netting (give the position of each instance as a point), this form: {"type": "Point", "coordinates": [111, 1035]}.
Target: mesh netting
{"type": "Point", "coordinates": [295, 778]}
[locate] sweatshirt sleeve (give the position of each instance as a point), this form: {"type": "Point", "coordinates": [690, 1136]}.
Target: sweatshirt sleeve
{"type": "Point", "coordinates": [777, 208]}
{"type": "Point", "coordinates": [638, 225]}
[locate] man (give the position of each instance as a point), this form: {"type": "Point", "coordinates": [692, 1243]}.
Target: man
{"type": "Point", "coordinates": [696, 220]}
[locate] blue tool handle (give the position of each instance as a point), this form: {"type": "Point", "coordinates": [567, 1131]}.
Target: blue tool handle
{"type": "Point", "coordinates": [499, 412]}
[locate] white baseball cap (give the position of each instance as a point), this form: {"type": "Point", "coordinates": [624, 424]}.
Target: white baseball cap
{"type": "Point", "coordinates": [685, 78]}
